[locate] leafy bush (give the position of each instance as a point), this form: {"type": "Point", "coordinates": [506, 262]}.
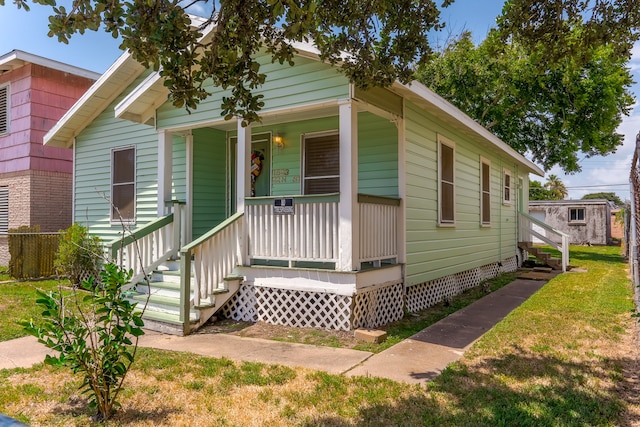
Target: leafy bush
{"type": "Point", "coordinates": [79, 255]}
{"type": "Point", "coordinates": [91, 332]}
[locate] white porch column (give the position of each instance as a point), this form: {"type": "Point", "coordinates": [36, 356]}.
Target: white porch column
{"type": "Point", "coordinates": [243, 167]}
{"type": "Point", "coordinates": [243, 184]}
{"type": "Point", "coordinates": [165, 170]}
{"type": "Point", "coordinates": [348, 257]}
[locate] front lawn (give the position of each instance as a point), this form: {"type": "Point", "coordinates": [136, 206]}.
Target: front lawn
{"type": "Point", "coordinates": [562, 358]}
{"type": "Point", "coordinates": [17, 302]}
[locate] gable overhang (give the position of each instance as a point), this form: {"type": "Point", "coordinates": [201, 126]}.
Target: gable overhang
{"type": "Point", "coordinates": [422, 96]}
{"type": "Point", "coordinates": [17, 58]}
{"type": "Point", "coordinates": [94, 101]}
{"type": "Point", "coordinates": [142, 102]}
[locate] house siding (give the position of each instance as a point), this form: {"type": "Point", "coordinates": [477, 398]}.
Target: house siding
{"type": "Point", "coordinates": [434, 251]}
{"type": "Point", "coordinates": [209, 180]}
{"type": "Point", "coordinates": [285, 87]}
{"type": "Point", "coordinates": [93, 170]}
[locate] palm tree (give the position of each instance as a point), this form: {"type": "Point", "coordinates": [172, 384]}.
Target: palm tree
{"type": "Point", "coordinates": [556, 187]}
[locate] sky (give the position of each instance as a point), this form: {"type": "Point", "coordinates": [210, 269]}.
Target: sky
{"type": "Point", "coordinates": [27, 31]}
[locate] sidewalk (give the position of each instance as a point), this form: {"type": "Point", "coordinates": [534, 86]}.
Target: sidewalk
{"type": "Point", "coordinates": [417, 359]}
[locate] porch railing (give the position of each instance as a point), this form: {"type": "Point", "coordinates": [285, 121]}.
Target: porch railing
{"type": "Point", "coordinates": [309, 234]}
{"type": "Point", "coordinates": [210, 258]}
{"type": "Point", "coordinates": [378, 228]}
{"type": "Point", "coordinates": [145, 248]}
{"type": "Point", "coordinates": [546, 234]}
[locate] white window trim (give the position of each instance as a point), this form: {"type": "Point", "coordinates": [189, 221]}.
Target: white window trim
{"type": "Point", "coordinates": [485, 161]}
{"type": "Point", "coordinates": [8, 108]}
{"type": "Point", "coordinates": [577, 221]}
{"type": "Point", "coordinates": [442, 140]}
{"type": "Point", "coordinates": [303, 144]}
{"type": "Point", "coordinates": [127, 221]}
{"type": "Point", "coordinates": [505, 192]}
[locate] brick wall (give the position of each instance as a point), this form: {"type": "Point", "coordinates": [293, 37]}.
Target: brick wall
{"type": "Point", "coordinates": [37, 198]}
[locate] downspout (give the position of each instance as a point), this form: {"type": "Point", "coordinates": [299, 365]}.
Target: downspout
{"type": "Point", "coordinates": [633, 236]}
{"type": "Point", "coordinates": [73, 182]}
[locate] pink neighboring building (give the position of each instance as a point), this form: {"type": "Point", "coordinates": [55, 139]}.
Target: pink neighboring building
{"type": "Point", "coordinates": [35, 180]}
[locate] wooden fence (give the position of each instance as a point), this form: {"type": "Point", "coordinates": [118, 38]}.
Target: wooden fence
{"type": "Point", "coordinates": [32, 254]}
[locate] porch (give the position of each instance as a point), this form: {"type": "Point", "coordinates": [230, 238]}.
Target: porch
{"type": "Point", "coordinates": [281, 255]}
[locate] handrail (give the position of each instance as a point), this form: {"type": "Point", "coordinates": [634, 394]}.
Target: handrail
{"type": "Point", "coordinates": [210, 270]}
{"type": "Point", "coordinates": [563, 246]}
{"type": "Point", "coordinates": [312, 198]}
{"type": "Point", "coordinates": [121, 242]}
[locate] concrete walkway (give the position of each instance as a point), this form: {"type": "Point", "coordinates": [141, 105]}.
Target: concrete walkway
{"type": "Point", "coordinates": [417, 359]}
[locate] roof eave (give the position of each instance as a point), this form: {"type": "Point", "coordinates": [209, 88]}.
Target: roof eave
{"type": "Point", "coordinates": [419, 90]}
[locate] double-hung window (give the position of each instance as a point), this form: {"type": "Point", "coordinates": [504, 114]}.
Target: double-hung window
{"type": "Point", "coordinates": [577, 215]}
{"type": "Point", "coordinates": [506, 191]}
{"type": "Point", "coordinates": [321, 171]}
{"type": "Point", "coordinates": [5, 109]}
{"type": "Point", "coordinates": [123, 185]}
{"type": "Point", "coordinates": [446, 182]}
{"type": "Point", "coordinates": [485, 191]}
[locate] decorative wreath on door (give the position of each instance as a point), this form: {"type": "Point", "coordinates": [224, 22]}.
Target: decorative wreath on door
{"type": "Point", "coordinates": [256, 168]}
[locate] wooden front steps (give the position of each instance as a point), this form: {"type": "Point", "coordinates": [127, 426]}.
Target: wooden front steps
{"type": "Point", "coordinates": [543, 257]}
{"type": "Point", "coordinates": [161, 296]}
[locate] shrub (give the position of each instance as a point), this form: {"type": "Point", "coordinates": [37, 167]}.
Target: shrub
{"type": "Point", "coordinates": [79, 254]}
{"type": "Point", "coordinates": [91, 332]}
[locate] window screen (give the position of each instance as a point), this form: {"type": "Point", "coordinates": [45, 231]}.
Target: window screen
{"type": "Point", "coordinates": [447, 184]}
{"type": "Point", "coordinates": [321, 164]}
{"type": "Point", "coordinates": [123, 185]}
{"type": "Point", "coordinates": [486, 193]}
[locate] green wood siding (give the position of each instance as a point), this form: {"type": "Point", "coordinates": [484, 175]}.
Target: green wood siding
{"type": "Point", "coordinates": [93, 170]}
{"type": "Point", "coordinates": [209, 180]}
{"type": "Point", "coordinates": [377, 154]}
{"type": "Point", "coordinates": [307, 82]}
{"type": "Point", "coordinates": [179, 168]}
{"type": "Point", "coordinates": [434, 251]}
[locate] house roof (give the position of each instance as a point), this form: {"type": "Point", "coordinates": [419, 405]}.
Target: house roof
{"type": "Point", "coordinates": [121, 74]}
{"type": "Point", "coordinates": [18, 58]}
{"type": "Point", "coordinates": [541, 203]}
{"type": "Point", "coordinates": [140, 104]}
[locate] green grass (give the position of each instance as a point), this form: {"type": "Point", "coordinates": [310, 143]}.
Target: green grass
{"type": "Point", "coordinates": [17, 302]}
{"type": "Point", "coordinates": [557, 360]}
{"type": "Point", "coordinates": [413, 323]}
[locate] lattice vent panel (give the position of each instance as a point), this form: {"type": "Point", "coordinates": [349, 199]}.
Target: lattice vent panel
{"type": "Point", "coordinates": [468, 279]}
{"type": "Point", "coordinates": [302, 309]}
{"type": "Point", "coordinates": [242, 305]}
{"type": "Point", "coordinates": [489, 271]}
{"type": "Point", "coordinates": [510, 265]}
{"type": "Point", "coordinates": [378, 307]}
{"type": "Point", "coordinates": [430, 293]}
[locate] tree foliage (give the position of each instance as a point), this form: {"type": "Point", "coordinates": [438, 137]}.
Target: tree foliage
{"type": "Point", "coordinates": [538, 192]}
{"type": "Point", "coordinates": [554, 113]}
{"type": "Point", "coordinates": [551, 25]}
{"type": "Point", "coordinates": [92, 334]}
{"type": "Point", "coordinates": [556, 187]}
{"type": "Point", "coordinates": [610, 196]}
{"type": "Point", "coordinates": [374, 42]}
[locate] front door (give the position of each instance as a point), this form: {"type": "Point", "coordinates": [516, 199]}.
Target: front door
{"type": "Point", "coordinates": [260, 167]}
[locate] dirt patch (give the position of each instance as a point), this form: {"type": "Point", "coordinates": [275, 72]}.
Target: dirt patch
{"type": "Point", "coordinates": [344, 339]}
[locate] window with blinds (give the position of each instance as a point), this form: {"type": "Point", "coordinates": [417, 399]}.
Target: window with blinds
{"type": "Point", "coordinates": [4, 210]}
{"type": "Point", "coordinates": [4, 109]}
{"type": "Point", "coordinates": [321, 164]}
{"type": "Point", "coordinates": [485, 198]}
{"type": "Point", "coordinates": [123, 186]}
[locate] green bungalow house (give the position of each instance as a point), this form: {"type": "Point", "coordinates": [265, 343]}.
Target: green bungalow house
{"type": "Point", "coordinates": [340, 209]}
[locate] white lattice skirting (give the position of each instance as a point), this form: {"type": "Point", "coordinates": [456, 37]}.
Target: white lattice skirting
{"type": "Point", "coordinates": [369, 308]}
{"type": "Point", "coordinates": [432, 292]}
